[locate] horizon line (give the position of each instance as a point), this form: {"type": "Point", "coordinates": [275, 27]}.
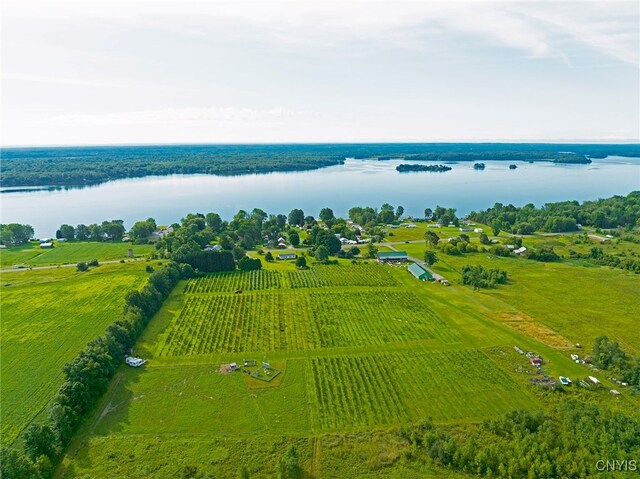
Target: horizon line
{"type": "Point", "coordinates": [629, 141]}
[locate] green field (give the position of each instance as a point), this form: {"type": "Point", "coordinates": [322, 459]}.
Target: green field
{"type": "Point", "coordinates": [47, 317]}
{"type": "Point", "coordinates": [31, 255]}
{"type": "Point", "coordinates": [363, 348]}
{"type": "Point", "coordinates": [574, 301]}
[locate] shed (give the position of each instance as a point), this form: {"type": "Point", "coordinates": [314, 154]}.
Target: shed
{"type": "Point", "coordinates": [392, 256]}
{"type": "Point", "coordinates": [419, 272]}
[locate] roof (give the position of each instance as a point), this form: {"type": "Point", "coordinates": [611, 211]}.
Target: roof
{"type": "Point", "coordinates": [418, 271]}
{"type": "Point", "coordinates": [288, 255]}
{"type": "Point", "coordinates": [392, 254]}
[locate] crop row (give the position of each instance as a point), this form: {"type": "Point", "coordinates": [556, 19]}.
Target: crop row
{"type": "Point", "coordinates": [355, 391]}
{"type": "Point", "coordinates": [340, 275]}
{"type": "Point", "coordinates": [455, 384]}
{"type": "Point", "coordinates": [388, 388]}
{"type": "Point", "coordinates": [280, 321]}
{"type": "Point", "coordinates": [236, 280]}
{"type": "Point", "coordinates": [240, 323]}
{"type": "Point", "coordinates": [381, 317]}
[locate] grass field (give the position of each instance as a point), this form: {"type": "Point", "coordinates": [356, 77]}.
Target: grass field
{"type": "Point", "coordinates": [33, 255]}
{"type": "Point", "coordinates": [572, 301]}
{"type": "Point", "coordinates": [363, 348]}
{"type": "Point", "coordinates": [47, 317]}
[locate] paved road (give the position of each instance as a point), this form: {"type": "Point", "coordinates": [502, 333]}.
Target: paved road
{"type": "Point", "coordinates": [69, 265]}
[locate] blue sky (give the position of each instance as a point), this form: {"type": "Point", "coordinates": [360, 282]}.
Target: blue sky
{"type": "Point", "coordinates": [93, 72]}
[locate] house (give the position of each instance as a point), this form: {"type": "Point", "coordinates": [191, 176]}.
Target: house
{"type": "Point", "coordinates": [392, 256]}
{"type": "Point", "coordinates": [215, 247]}
{"type": "Point", "coordinates": [286, 256]}
{"type": "Point", "coordinates": [419, 272]}
{"type": "Point", "coordinates": [46, 245]}
{"type": "Point", "coordinates": [520, 250]}
{"type": "Point", "coordinates": [281, 240]}
{"type": "Point", "coordinates": [478, 230]}
{"type": "Point", "coordinates": [134, 362]}
{"type": "Point", "coordinates": [160, 233]}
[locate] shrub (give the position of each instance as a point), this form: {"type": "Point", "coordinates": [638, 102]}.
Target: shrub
{"type": "Point", "coordinates": [82, 267]}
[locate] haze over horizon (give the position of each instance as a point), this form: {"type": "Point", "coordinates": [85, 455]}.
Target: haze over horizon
{"type": "Point", "coordinates": [101, 73]}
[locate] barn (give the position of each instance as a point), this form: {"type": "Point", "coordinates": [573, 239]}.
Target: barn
{"type": "Point", "coordinates": [419, 272]}
{"type": "Point", "coordinates": [392, 256]}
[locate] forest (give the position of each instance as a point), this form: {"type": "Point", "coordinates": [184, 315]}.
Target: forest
{"type": "Point", "coordinates": [80, 166]}
{"type": "Point", "coordinates": [617, 211]}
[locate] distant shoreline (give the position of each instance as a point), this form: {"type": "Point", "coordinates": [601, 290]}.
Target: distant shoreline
{"type": "Point", "coordinates": [88, 166]}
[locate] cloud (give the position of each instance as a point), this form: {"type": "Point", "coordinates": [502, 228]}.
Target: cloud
{"type": "Point", "coordinates": [231, 116]}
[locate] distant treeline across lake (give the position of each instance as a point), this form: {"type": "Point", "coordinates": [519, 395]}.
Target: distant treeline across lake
{"type": "Point", "coordinates": [90, 165]}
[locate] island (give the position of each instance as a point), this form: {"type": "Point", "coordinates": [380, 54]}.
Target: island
{"type": "Point", "coordinates": [405, 167]}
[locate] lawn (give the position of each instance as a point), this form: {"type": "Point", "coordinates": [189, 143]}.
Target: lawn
{"type": "Point", "coordinates": [47, 317]}
{"type": "Point", "coordinates": [74, 252]}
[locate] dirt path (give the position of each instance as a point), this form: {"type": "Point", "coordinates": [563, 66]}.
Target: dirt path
{"type": "Point", "coordinates": [68, 265]}
{"type": "Point", "coordinates": [315, 457]}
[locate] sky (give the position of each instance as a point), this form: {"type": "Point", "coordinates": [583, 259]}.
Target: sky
{"type": "Point", "coordinates": [137, 71]}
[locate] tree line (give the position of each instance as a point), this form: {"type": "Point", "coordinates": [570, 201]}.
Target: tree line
{"type": "Point", "coordinates": [567, 441]}
{"type": "Point", "coordinates": [614, 212]}
{"type": "Point", "coordinates": [86, 379]}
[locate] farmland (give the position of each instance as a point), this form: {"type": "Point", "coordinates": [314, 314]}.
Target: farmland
{"type": "Point", "coordinates": [47, 317]}
{"type": "Point", "coordinates": [32, 255]}
{"type": "Point", "coordinates": [358, 360]}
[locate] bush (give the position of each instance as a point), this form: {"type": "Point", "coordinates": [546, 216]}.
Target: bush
{"type": "Point", "coordinates": [82, 267]}
{"type": "Point", "coordinates": [480, 277]}
{"type": "Point", "coordinates": [149, 269]}
{"type": "Point", "coordinates": [94, 262]}
{"type": "Point", "coordinates": [301, 262]}
{"type": "Point", "coordinates": [249, 264]}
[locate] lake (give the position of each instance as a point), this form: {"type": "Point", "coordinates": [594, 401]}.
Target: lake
{"type": "Point", "coordinates": [356, 183]}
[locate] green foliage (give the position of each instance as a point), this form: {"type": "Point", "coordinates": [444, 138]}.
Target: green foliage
{"type": "Point", "coordinates": [268, 256]}
{"type": "Point", "coordinates": [565, 215]}
{"type": "Point", "coordinates": [322, 253]}
{"type": "Point", "coordinates": [543, 254]}
{"type": "Point", "coordinates": [82, 266]}
{"type": "Point", "coordinates": [211, 261]}
{"type": "Point", "coordinates": [296, 217]}
{"type": "Point", "coordinates": [249, 264]}
{"type": "Point", "coordinates": [567, 442]}
{"type": "Point", "coordinates": [431, 168]}
{"type": "Point", "coordinates": [13, 234]}
{"type": "Point", "coordinates": [301, 262]}
{"type": "Point", "coordinates": [289, 465]}
{"type": "Point", "coordinates": [294, 238]}
{"type": "Point", "coordinates": [480, 277]}
{"type": "Point", "coordinates": [430, 257]}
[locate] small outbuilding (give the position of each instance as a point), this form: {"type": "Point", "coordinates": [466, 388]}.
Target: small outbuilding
{"type": "Point", "coordinates": [286, 256]}
{"type": "Point", "coordinates": [419, 272]}
{"type": "Point", "coordinates": [134, 362]}
{"type": "Point", "coordinates": [46, 245]}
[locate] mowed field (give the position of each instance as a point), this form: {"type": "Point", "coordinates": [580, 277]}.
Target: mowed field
{"type": "Point", "coordinates": [572, 301]}
{"type": "Point", "coordinates": [62, 253]}
{"type": "Point", "coordinates": [357, 362]}
{"type": "Point", "coordinates": [47, 317]}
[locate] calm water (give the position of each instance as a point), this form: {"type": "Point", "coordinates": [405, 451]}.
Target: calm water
{"type": "Point", "coordinates": [356, 183]}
